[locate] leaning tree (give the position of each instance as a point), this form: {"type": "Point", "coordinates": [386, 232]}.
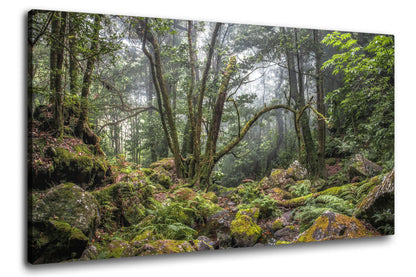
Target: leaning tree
{"type": "Point", "coordinates": [198, 166]}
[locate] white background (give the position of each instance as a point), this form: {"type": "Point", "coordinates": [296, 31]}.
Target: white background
{"type": "Point", "coordinates": [387, 256]}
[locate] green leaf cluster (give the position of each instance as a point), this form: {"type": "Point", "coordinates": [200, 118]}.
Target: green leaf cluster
{"type": "Point", "coordinates": [363, 108]}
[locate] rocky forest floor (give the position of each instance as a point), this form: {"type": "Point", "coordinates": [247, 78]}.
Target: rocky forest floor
{"type": "Point", "coordinates": [82, 207]}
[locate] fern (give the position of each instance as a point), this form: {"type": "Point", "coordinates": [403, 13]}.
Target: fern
{"type": "Point", "coordinates": [307, 215]}
{"type": "Point", "coordinates": [301, 188]}
{"type": "Point", "coordinates": [364, 189]}
{"type": "Point", "coordinates": [385, 221]}
{"type": "Point", "coordinates": [348, 194]}
{"type": "Point", "coordinates": [314, 207]}
{"type": "Point", "coordinates": [174, 220]}
{"type": "Point", "coordinates": [266, 205]}
{"type": "Point", "coordinates": [335, 203]}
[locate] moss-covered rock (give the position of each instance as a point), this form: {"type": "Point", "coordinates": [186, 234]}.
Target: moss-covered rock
{"type": "Point", "coordinates": [122, 204]}
{"type": "Point", "coordinates": [70, 203]}
{"type": "Point", "coordinates": [296, 171]}
{"type": "Point", "coordinates": [161, 176]}
{"type": "Point", "coordinates": [278, 178]}
{"type": "Point", "coordinates": [159, 247]}
{"type": "Point", "coordinates": [184, 194]}
{"type": "Point", "coordinates": [288, 233]}
{"type": "Point", "coordinates": [251, 212]}
{"type": "Point", "coordinates": [75, 163]}
{"type": "Point", "coordinates": [361, 167]}
{"type": "Point", "coordinates": [244, 231]}
{"type": "Point", "coordinates": [167, 163]}
{"type": "Point", "coordinates": [280, 193]}
{"type": "Point", "coordinates": [331, 226]}
{"type": "Point", "coordinates": [277, 224]}
{"type": "Point", "coordinates": [211, 196]}
{"type": "Point", "coordinates": [203, 243]}
{"type": "Point", "coordinates": [55, 241]}
{"type": "Point", "coordinates": [377, 207]}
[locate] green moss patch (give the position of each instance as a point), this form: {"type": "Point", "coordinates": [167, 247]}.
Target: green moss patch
{"type": "Point", "coordinates": [331, 226]}
{"type": "Point", "coordinates": [244, 231]}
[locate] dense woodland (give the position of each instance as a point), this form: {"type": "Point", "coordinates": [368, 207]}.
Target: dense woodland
{"type": "Point", "coordinates": [151, 136]}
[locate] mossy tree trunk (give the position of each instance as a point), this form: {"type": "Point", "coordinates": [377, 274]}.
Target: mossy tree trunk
{"type": "Point", "coordinates": [56, 64]}
{"type": "Point", "coordinates": [163, 99]}
{"type": "Point", "coordinates": [196, 162]}
{"type": "Point", "coordinates": [322, 172]}
{"type": "Point", "coordinates": [82, 130]}
{"type": "Point", "coordinates": [73, 63]}
{"type": "Point", "coordinates": [307, 152]}
{"type": "Point", "coordinates": [198, 166]}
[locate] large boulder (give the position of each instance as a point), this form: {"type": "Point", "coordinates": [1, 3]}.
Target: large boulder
{"type": "Point", "coordinates": [288, 233]}
{"type": "Point", "coordinates": [55, 241]}
{"type": "Point", "coordinates": [159, 247]}
{"type": "Point", "coordinates": [332, 226]}
{"type": "Point", "coordinates": [218, 225]}
{"type": "Point", "coordinates": [75, 163]}
{"type": "Point", "coordinates": [377, 207]}
{"type": "Point", "coordinates": [362, 168]}
{"type": "Point", "coordinates": [203, 243]}
{"type": "Point", "coordinates": [278, 178]}
{"type": "Point", "coordinates": [244, 231]}
{"type": "Point", "coordinates": [70, 203]}
{"type": "Point", "coordinates": [297, 171]}
{"type": "Point", "coordinates": [122, 204]}
{"type": "Point", "coordinates": [60, 224]}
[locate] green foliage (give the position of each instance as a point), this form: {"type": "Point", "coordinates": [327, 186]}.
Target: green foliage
{"type": "Point", "coordinates": [266, 205]}
{"type": "Point", "coordinates": [363, 108]}
{"type": "Point", "coordinates": [314, 207]}
{"type": "Point", "coordinates": [300, 188]}
{"type": "Point", "coordinates": [249, 196]}
{"type": "Point", "coordinates": [169, 221]}
{"type": "Point", "coordinates": [175, 218]}
{"type": "Point", "coordinates": [384, 221]}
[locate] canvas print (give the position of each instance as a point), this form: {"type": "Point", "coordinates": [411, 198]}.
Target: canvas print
{"type": "Point", "coordinates": [152, 136]}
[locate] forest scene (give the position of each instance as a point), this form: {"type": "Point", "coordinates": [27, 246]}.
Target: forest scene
{"type": "Point", "coordinates": [153, 136]}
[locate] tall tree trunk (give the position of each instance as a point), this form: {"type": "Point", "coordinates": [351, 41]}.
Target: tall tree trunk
{"type": "Point", "coordinates": [73, 63]}
{"type": "Point", "coordinates": [306, 130]}
{"type": "Point", "coordinates": [53, 54]}
{"type": "Point", "coordinates": [215, 124]}
{"type": "Point", "coordinates": [30, 72]}
{"type": "Point", "coordinates": [149, 98]}
{"type": "Point", "coordinates": [294, 94]}
{"type": "Point", "coordinates": [322, 172]}
{"type": "Point", "coordinates": [165, 107]}
{"type": "Point", "coordinates": [199, 111]}
{"type": "Point", "coordinates": [57, 59]}
{"type": "Point", "coordinates": [82, 129]}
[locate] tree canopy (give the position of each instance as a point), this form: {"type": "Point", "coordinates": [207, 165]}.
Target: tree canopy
{"type": "Point", "coordinates": [225, 100]}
